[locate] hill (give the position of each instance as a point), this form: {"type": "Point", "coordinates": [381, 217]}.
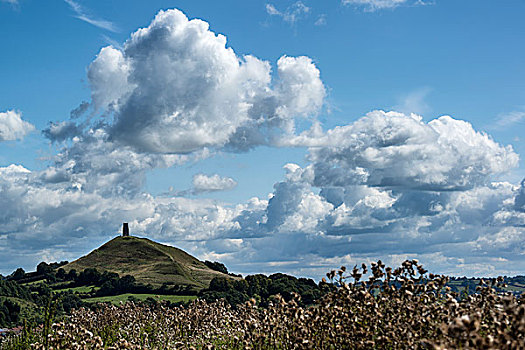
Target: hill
{"type": "Point", "coordinates": [149, 262]}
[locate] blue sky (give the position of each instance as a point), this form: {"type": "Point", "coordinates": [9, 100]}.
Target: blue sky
{"type": "Point", "coordinates": [187, 139]}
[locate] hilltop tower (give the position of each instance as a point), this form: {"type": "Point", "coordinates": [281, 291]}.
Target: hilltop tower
{"type": "Point", "coordinates": [125, 230]}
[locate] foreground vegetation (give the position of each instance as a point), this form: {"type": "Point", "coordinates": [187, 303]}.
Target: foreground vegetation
{"type": "Point", "coordinates": [405, 308]}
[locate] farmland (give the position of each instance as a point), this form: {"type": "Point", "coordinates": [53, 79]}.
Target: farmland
{"type": "Point", "coordinates": [122, 298]}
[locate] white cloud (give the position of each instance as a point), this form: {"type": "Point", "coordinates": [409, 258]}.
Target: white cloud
{"type": "Point", "coordinates": [375, 5]}
{"type": "Point", "coordinates": [94, 163]}
{"type": "Point", "coordinates": [61, 131]}
{"type": "Point", "coordinates": [83, 15]}
{"type": "Point", "coordinates": [305, 231]}
{"type": "Point", "coordinates": [292, 14]}
{"type": "Point", "coordinates": [293, 206]}
{"type": "Point", "coordinates": [509, 119]}
{"type": "Point", "coordinates": [213, 183]}
{"type": "Point", "coordinates": [108, 76]}
{"type": "Point", "coordinates": [393, 150]}
{"type": "Point", "coordinates": [301, 89]}
{"type": "Point", "coordinates": [271, 10]}
{"type": "Point", "coordinates": [40, 214]}
{"type": "Point", "coordinates": [177, 88]}
{"type": "Point", "coordinates": [12, 127]}
{"type": "Point", "coordinates": [519, 202]}
{"type": "Point", "coordinates": [386, 186]}
{"type": "Point", "coordinates": [377, 188]}
{"type": "Point", "coordinates": [348, 201]}
{"type": "Point", "coordinates": [321, 20]}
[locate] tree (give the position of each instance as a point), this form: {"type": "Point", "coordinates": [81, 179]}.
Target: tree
{"type": "Point", "coordinates": [217, 266]}
{"type": "Point", "coordinates": [241, 286]}
{"type": "Point", "coordinates": [258, 285]}
{"type": "Point", "coordinates": [220, 284]}
{"type": "Point", "coordinates": [72, 275]}
{"type": "Point", "coordinates": [18, 274]}
{"type": "Point", "coordinates": [61, 274]}
{"type": "Point", "coordinates": [70, 301]}
{"type": "Point", "coordinates": [127, 283]}
{"type": "Point", "coordinates": [43, 268]}
{"type": "Point", "coordinates": [89, 276]}
{"type": "Point", "coordinates": [9, 313]}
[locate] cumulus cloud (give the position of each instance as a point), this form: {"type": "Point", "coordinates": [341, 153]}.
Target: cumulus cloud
{"type": "Point", "coordinates": [108, 77]}
{"type": "Point", "coordinates": [341, 208]}
{"type": "Point", "coordinates": [388, 185]}
{"type": "Point", "coordinates": [43, 212]}
{"type": "Point", "coordinates": [174, 92]}
{"type": "Point", "coordinates": [99, 165]}
{"type": "Point", "coordinates": [177, 88]}
{"type": "Point", "coordinates": [213, 183]}
{"type": "Point", "coordinates": [292, 14]}
{"type": "Point", "coordinates": [80, 110]}
{"type": "Point", "coordinates": [301, 90]}
{"type": "Point", "coordinates": [374, 190]}
{"type": "Point", "coordinates": [61, 131]}
{"type": "Point", "coordinates": [394, 150]}
{"type": "Point", "coordinates": [519, 202]}
{"type": "Point", "coordinates": [12, 127]}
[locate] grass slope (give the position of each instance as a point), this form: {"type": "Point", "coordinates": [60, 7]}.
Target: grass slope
{"type": "Point", "coordinates": [116, 299]}
{"type": "Point", "coordinates": [149, 262]}
{"type": "Point", "coordinates": [81, 289]}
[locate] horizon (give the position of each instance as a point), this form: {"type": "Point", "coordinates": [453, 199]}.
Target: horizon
{"type": "Point", "coordinates": [289, 136]}
{"type": "Point", "coordinates": [317, 279]}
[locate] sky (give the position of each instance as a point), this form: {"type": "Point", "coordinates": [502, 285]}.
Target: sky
{"type": "Point", "coordinates": [289, 136]}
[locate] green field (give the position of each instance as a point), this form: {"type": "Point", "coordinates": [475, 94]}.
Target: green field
{"type": "Point", "coordinates": [34, 283]}
{"type": "Point", "coordinates": [116, 299]}
{"type": "Point", "coordinates": [82, 289]}
{"type": "Point", "coordinates": [515, 288]}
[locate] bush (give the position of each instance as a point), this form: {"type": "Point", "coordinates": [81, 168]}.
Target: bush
{"type": "Point", "coordinates": [9, 313]}
{"type": "Point", "coordinates": [217, 266]}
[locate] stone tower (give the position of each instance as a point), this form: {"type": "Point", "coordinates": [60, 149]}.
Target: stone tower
{"type": "Point", "coordinates": [125, 230]}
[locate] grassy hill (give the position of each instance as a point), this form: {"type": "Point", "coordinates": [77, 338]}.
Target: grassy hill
{"type": "Point", "coordinates": [149, 262]}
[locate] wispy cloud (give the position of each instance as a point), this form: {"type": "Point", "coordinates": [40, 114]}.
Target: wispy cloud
{"type": "Point", "coordinates": [83, 15]}
{"type": "Point", "coordinates": [292, 14]}
{"type": "Point", "coordinates": [375, 5]}
{"type": "Point", "coordinates": [321, 20]}
{"type": "Point", "coordinates": [415, 102]}
{"type": "Point", "coordinates": [112, 42]}
{"type": "Point", "coordinates": [14, 2]}
{"type": "Point", "coordinates": [508, 119]}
